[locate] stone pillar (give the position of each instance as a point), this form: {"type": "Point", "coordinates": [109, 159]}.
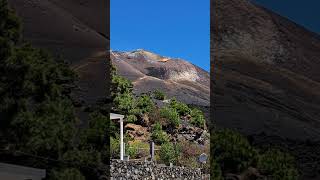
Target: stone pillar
{"type": "Point", "coordinates": [152, 150]}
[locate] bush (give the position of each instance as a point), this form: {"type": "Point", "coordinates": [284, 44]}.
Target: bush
{"type": "Point", "coordinates": [171, 116]}
{"type": "Point", "coordinates": [215, 170]}
{"type": "Point", "coordinates": [54, 119]}
{"type": "Point", "coordinates": [197, 118]}
{"type": "Point", "coordinates": [114, 147]}
{"type": "Point", "coordinates": [124, 102]}
{"type": "Point", "coordinates": [10, 25]}
{"type": "Point", "coordinates": [83, 157]}
{"type": "Point", "coordinates": [159, 95]}
{"type": "Point", "coordinates": [277, 165]}
{"type": "Point", "coordinates": [190, 149]}
{"type": "Point", "coordinates": [66, 174]}
{"type": "Point", "coordinates": [131, 119]}
{"type": "Point", "coordinates": [154, 116]}
{"type": "Point", "coordinates": [180, 107]}
{"type": "Point", "coordinates": [145, 104]}
{"type": "Point", "coordinates": [120, 85]}
{"type": "Point", "coordinates": [95, 135]}
{"type": "Point", "coordinates": [134, 150]}
{"type": "Point", "coordinates": [158, 135]}
{"type": "Point", "coordinates": [113, 129]}
{"type": "Point", "coordinates": [190, 152]}
{"type": "Point", "coordinates": [168, 153]}
{"type": "Point", "coordinates": [232, 151]}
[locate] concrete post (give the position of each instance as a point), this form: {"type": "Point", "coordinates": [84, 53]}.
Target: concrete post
{"type": "Point", "coordinates": [120, 117]}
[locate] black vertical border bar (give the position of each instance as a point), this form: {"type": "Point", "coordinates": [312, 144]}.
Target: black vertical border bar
{"type": "Point", "coordinates": [212, 76]}
{"type": "Point", "coordinates": [108, 81]}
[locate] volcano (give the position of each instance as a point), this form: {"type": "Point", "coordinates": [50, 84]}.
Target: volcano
{"type": "Point", "coordinates": [176, 77]}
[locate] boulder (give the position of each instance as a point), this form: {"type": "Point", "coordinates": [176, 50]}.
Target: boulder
{"type": "Point", "coordinates": [137, 132]}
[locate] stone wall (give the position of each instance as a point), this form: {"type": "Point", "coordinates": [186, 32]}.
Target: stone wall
{"type": "Point", "coordinates": [123, 170]}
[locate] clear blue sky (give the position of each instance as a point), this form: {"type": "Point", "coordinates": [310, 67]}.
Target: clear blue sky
{"type": "Point", "coordinates": [305, 13]}
{"type": "Point", "coordinates": [174, 28]}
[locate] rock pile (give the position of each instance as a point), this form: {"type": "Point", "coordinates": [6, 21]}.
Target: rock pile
{"type": "Point", "coordinates": [127, 170]}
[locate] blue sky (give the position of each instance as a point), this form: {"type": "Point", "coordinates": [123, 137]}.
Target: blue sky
{"type": "Point", "coordinates": [174, 28]}
{"type": "Point", "coordinates": [305, 13]}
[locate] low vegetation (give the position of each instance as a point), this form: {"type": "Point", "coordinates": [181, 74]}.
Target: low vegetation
{"type": "Point", "coordinates": [158, 135]}
{"type": "Point", "coordinates": [171, 115]}
{"type": "Point", "coordinates": [169, 153]}
{"type": "Point", "coordinates": [159, 95]}
{"type": "Point", "coordinates": [197, 118]}
{"type": "Point", "coordinates": [137, 149]}
{"type": "Point", "coordinates": [277, 165]}
{"type": "Point", "coordinates": [181, 108]}
{"type": "Point", "coordinates": [232, 153]}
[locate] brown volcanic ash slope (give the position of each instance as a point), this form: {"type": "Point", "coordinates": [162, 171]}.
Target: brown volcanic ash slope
{"type": "Point", "coordinates": [176, 77]}
{"type": "Point", "coordinates": [266, 79]}
{"type": "Point", "coordinates": [75, 30]}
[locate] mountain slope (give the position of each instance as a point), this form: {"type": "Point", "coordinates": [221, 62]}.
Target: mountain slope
{"type": "Point", "coordinates": [266, 79]}
{"type": "Point", "coordinates": [149, 71]}
{"type": "Point", "coordinates": [65, 29]}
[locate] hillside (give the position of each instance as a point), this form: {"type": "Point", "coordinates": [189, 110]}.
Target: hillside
{"type": "Point", "coordinates": [178, 78]}
{"type": "Point", "coordinates": [65, 29]}
{"type": "Point", "coordinates": [266, 80]}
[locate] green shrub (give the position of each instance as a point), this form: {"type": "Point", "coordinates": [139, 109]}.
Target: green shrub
{"type": "Point", "coordinates": [131, 119]}
{"type": "Point", "coordinates": [171, 116]}
{"type": "Point", "coordinates": [145, 104]}
{"type": "Point", "coordinates": [66, 174]}
{"type": "Point", "coordinates": [215, 170]}
{"type": "Point", "coordinates": [197, 118]}
{"type": "Point", "coordinates": [232, 151]}
{"type": "Point", "coordinates": [83, 157]}
{"type": "Point", "coordinates": [168, 153]}
{"type": "Point", "coordinates": [159, 95]}
{"type": "Point", "coordinates": [278, 165]}
{"type": "Point", "coordinates": [120, 85]}
{"type": "Point", "coordinates": [56, 122]}
{"type": "Point", "coordinates": [113, 128]}
{"type": "Point", "coordinates": [124, 102]}
{"type": "Point", "coordinates": [95, 134]}
{"type": "Point", "coordinates": [10, 25]}
{"type": "Point", "coordinates": [136, 149]}
{"type": "Point", "coordinates": [132, 151]}
{"type": "Point", "coordinates": [180, 107]}
{"type": "Point", "coordinates": [158, 135]}
{"type": "Point", "coordinates": [114, 147]}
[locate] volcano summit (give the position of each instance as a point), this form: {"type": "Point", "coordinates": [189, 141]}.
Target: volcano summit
{"type": "Point", "coordinates": [176, 77]}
